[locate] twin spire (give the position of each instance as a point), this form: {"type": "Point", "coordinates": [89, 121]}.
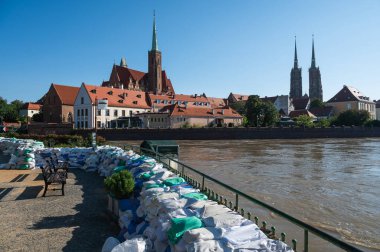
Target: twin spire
{"type": "Point", "coordinates": [295, 54]}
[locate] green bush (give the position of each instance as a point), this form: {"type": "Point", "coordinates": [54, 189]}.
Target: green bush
{"type": "Point", "coordinates": [120, 185]}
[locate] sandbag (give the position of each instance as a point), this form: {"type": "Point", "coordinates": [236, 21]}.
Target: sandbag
{"type": "Point", "coordinates": [174, 181]}
{"type": "Point", "coordinates": [195, 195]}
{"type": "Point", "coordinates": [109, 244]}
{"type": "Point", "coordinates": [180, 226]}
{"type": "Point", "coordinates": [132, 245]}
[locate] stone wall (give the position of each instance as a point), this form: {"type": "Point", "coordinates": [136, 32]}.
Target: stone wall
{"type": "Point", "coordinates": [233, 133]}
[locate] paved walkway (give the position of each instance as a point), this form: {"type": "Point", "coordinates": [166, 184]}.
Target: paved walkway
{"type": "Point", "coordinates": [75, 222]}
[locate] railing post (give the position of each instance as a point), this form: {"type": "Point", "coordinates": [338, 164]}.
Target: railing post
{"type": "Point", "coordinates": [306, 241]}
{"type": "Point", "coordinates": [283, 236]}
{"type": "Point", "coordinates": [294, 241]}
{"type": "Point", "coordinates": [203, 182]}
{"type": "Point", "coordinates": [237, 202]}
{"type": "Point", "coordinates": [183, 170]}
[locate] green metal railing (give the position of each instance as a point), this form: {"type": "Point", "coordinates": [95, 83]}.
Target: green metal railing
{"type": "Point", "coordinates": [214, 196]}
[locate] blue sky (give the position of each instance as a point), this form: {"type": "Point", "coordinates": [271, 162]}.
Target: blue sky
{"type": "Point", "coordinates": [213, 46]}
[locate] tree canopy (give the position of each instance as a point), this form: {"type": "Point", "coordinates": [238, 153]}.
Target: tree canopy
{"type": "Point", "coordinates": [260, 113]}
{"type": "Point", "coordinates": [10, 112]}
{"type": "Point", "coordinates": [352, 117]}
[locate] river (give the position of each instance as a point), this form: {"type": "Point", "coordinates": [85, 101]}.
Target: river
{"type": "Point", "coordinates": [333, 184]}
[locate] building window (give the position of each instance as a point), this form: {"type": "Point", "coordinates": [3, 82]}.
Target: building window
{"type": "Point", "coordinates": [123, 112]}
{"type": "Point", "coordinates": [107, 112]}
{"type": "Point", "coordinates": [78, 125]}
{"type": "Point", "coordinates": [86, 112]}
{"type": "Point", "coordinates": [81, 100]}
{"type": "Point", "coordinates": [78, 112]}
{"type": "Point", "coordinates": [348, 105]}
{"type": "Point", "coordinates": [82, 112]}
{"type": "Point", "coordinates": [81, 124]}
{"type": "Point", "coordinates": [115, 112]}
{"type": "Point", "coordinates": [86, 124]}
{"type": "Point", "coordinates": [99, 124]}
{"type": "Point", "coordinates": [99, 112]}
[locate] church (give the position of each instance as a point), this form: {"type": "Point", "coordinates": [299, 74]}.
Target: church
{"type": "Point", "coordinates": [155, 81]}
{"type": "Point", "coordinates": [315, 83]}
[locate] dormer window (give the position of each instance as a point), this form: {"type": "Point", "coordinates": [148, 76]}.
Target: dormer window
{"type": "Point", "coordinates": [134, 102]}
{"type": "Point", "coordinates": [120, 101]}
{"type": "Point", "coordinates": [139, 96]}
{"type": "Point", "coordinates": [165, 102]}
{"type": "Point", "coordinates": [110, 92]}
{"type": "Point", "coordinates": [93, 91]}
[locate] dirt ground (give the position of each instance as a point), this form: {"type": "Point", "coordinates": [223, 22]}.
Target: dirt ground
{"type": "Point", "coordinates": [77, 221]}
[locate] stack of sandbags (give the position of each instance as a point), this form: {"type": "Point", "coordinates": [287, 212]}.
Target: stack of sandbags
{"type": "Point", "coordinates": [173, 216]}
{"type": "Point", "coordinates": [22, 152]}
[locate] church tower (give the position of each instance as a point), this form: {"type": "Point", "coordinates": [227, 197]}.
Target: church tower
{"type": "Point", "coordinates": [154, 64]}
{"type": "Point", "coordinates": [315, 84]}
{"type": "Point", "coordinates": [295, 77]}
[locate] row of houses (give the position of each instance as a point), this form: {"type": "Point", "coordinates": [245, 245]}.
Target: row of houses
{"type": "Point", "coordinates": [81, 107]}
{"type": "Point", "coordinates": [132, 108]}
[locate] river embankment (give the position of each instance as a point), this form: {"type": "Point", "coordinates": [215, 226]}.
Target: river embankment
{"type": "Point", "coordinates": [233, 133]}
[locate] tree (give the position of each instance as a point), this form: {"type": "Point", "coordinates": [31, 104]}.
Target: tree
{"type": "Point", "coordinates": [39, 117]}
{"type": "Point", "coordinates": [239, 107]}
{"type": "Point", "coordinates": [317, 104]}
{"type": "Point", "coordinates": [304, 120]}
{"type": "Point", "coordinates": [323, 123]}
{"type": "Point", "coordinates": [352, 117]}
{"type": "Point", "coordinates": [260, 113]}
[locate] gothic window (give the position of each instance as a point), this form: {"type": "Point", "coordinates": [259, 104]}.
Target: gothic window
{"type": "Point", "coordinates": [81, 100]}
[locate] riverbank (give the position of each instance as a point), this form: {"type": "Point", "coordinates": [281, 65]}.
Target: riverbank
{"type": "Point", "coordinates": [233, 133]}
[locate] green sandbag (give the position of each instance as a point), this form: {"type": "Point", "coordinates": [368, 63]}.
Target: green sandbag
{"type": "Point", "coordinates": [26, 151]}
{"type": "Point", "coordinates": [180, 226]}
{"type": "Point", "coordinates": [174, 181]}
{"type": "Point", "coordinates": [23, 167]}
{"type": "Point", "coordinates": [195, 195]}
{"type": "Point", "coordinates": [119, 168]}
{"type": "Point", "coordinates": [147, 175]}
{"type": "Point", "coordinates": [149, 186]}
{"type": "Point", "coordinates": [28, 159]}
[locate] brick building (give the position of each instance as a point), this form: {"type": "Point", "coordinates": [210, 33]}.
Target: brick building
{"type": "Point", "coordinates": [58, 105]}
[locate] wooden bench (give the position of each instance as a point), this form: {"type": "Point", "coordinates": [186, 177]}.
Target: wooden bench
{"type": "Point", "coordinates": [54, 176]}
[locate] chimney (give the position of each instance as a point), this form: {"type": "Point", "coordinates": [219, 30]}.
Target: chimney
{"type": "Point", "coordinates": [121, 86]}
{"type": "Point", "coordinates": [222, 111]}
{"type": "Point", "coordinates": [212, 111]}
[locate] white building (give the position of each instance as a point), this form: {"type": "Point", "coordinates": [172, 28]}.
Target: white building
{"type": "Point", "coordinates": [121, 103]}
{"type": "Point", "coordinates": [29, 109]}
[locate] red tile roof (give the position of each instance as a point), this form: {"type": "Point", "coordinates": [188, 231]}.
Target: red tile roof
{"type": "Point", "coordinates": [240, 97]}
{"type": "Point", "coordinates": [190, 99]}
{"type": "Point", "coordinates": [176, 110]}
{"type": "Point", "coordinates": [217, 102]}
{"type": "Point", "coordinates": [322, 112]}
{"type": "Point", "coordinates": [349, 94]}
{"type": "Point", "coordinates": [31, 106]}
{"type": "Point", "coordinates": [118, 97]}
{"type": "Point", "coordinates": [66, 94]}
{"type": "Point", "coordinates": [297, 113]}
{"type": "Point", "coordinates": [301, 103]}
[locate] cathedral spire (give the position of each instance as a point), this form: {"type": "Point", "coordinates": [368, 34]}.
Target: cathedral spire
{"type": "Point", "coordinates": [295, 53]}
{"type": "Point", "coordinates": [313, 55]}
{"type": "Point", "coordinates": [154, 38]}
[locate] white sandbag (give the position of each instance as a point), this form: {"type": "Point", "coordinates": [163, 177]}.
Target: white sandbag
{"type": "Point", "coordinates": [132, 245]}
{"type": "Point", "coordinates": [206, 246]}
{"type": "Point", "coordinates": [267, 245]}
{"type": "Point", "coordinates": [207, 233]}
{"type": "Point", "coordinates": [224, 220]}
{"type": "Point", "coordinates": [109, 244]}
{"type": "Point", "coordinates": [243, 234]}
